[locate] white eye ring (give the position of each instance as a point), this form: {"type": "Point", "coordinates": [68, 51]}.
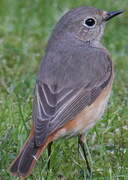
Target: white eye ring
{"type": "Point", "coordinates": [90, 22]}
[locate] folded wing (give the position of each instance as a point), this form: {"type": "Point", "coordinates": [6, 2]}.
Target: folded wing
{"type": "Point", "coordinates": [52, 108]}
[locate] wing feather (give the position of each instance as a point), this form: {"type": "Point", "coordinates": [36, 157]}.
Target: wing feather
{"type": "Point", "coordinates": [54, 106]}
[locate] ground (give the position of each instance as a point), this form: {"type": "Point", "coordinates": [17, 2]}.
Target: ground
{"type": "Point", "coordinates": [24, 30]}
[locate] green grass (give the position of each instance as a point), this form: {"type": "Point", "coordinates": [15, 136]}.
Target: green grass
{"type": "Point", "coordinates": [24, 30]}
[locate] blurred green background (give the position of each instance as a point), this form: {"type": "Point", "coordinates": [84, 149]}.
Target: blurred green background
{"type": "Point", "coordinates": [25, 26]}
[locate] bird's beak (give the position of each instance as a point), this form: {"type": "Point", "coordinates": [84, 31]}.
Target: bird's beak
{"type": "Point", "coordinates": [112, 14]}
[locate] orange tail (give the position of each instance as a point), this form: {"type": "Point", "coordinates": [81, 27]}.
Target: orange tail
{"type": "Point", "coordinates": [22, 166]}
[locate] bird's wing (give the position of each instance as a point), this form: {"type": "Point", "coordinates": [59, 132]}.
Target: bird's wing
{"type": "Point", "coordinates": [52, 109]}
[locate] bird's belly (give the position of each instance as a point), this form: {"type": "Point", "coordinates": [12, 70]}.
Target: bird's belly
{"type": "Point", "coordinates": [88, 117]}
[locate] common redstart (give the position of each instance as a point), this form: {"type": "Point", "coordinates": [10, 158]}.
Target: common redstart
{"type": "Point", "coordinates": [73, 85]}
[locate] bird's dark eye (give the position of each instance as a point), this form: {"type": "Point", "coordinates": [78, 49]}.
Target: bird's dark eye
{"type": "Point", "coordinates": [90, 22]}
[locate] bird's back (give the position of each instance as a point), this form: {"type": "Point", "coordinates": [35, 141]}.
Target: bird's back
{"type": "Point", "coordinates": [69, 64]}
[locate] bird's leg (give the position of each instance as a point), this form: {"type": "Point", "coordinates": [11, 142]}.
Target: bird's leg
{"type": "Point", "coordinates": [81, 143]}
{"type": "Point", "coordinates": [49, 153]}
{"type": "Point", "coordinates": [78, 146]}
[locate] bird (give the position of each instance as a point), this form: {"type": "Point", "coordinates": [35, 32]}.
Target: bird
{"type": "Point", "coordinates": [73, 85]}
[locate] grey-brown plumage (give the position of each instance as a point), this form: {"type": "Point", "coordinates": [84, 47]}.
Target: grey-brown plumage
{"type": "Point", "coordinates": [78, 75]}
{"type": "Point", "coordinates": [74, 79]}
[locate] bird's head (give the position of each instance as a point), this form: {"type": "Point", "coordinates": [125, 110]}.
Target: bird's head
{"type": "Point", "coordinates": [84, 23]}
